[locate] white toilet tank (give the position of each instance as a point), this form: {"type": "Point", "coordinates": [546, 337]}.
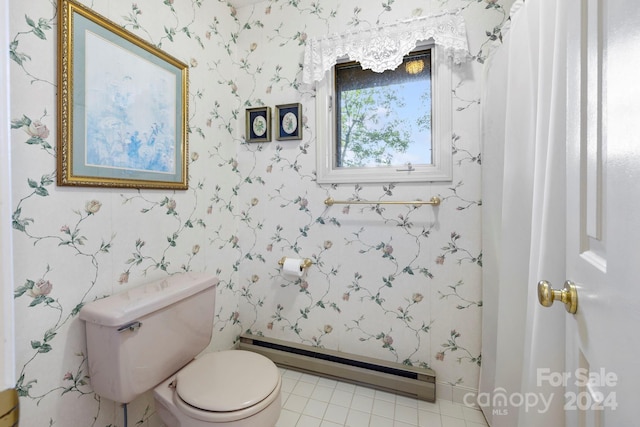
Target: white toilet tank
{"type": "Point", "coordinates": [139, 337]}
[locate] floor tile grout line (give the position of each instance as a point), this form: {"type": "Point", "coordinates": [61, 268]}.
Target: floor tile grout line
{"type": "Point", "coordinates": [454, 411]}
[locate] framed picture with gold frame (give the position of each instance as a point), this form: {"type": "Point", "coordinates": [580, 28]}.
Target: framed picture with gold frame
{"type": "Point", "coordinates": [122, 108]}
{"type": "Point", "coordinates": [258, 124]}
{"type": "Point", "coordinates": [289, 123]}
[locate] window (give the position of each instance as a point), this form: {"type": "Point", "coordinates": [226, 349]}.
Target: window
{"type": "Point", "coordinates": [383, 119]}
{"type": "Point", "coordinates": [393, 126]}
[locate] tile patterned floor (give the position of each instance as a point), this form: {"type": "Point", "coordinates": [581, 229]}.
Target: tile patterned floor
{"type": "Point", "coordinates": [312, 401]}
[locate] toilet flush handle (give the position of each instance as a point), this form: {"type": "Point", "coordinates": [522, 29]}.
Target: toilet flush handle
{"type": "Point", "coordinates": [133, 326]}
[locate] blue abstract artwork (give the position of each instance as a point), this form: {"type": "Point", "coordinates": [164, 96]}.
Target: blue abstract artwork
{"type": "Point", "coordinates": [130, 111]}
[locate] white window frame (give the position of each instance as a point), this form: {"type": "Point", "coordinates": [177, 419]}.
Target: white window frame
{"type": "Point", "coordinates": [441, 133]}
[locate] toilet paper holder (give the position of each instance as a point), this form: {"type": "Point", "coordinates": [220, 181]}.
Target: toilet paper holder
{"type": "Point", "coordinates": [306, 262]}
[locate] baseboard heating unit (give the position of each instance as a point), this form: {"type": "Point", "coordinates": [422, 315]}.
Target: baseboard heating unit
{"type": "Point", "coordinates": [411, 381]}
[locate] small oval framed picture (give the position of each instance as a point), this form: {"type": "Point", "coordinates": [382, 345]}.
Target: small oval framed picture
{"type": "Point", "coordinates": [258, 124]}
{"type": "Point", "coordinates": [289, 121]}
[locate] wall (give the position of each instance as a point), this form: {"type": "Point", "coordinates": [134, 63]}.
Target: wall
{"type": "Point", "coordinates": [67, 252]}
{"type": "Point", "coordinates": [397, 283]}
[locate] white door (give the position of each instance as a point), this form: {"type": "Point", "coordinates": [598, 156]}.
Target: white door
{"type": "Point", "coordinates": [603, 208]}
{"type": "Point", "coordinates": [7, 362]}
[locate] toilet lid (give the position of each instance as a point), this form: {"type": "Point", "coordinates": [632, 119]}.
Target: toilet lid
{"type": "Point", "coordinates": [227, 380]}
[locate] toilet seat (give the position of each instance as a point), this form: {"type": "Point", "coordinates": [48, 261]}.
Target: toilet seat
{"type": "Point", "coordinates": [226, 386]}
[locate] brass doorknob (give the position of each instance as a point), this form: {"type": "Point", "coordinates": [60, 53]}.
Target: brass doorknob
{"type": "Point", "coordinates": [569, 295]}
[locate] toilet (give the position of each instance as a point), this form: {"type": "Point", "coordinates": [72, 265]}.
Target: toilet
{"type": "Point", "coordinates": [147, 338]}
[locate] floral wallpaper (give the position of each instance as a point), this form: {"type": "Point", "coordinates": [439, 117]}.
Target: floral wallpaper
{"type": "Point", "coordinates": [401, 283]}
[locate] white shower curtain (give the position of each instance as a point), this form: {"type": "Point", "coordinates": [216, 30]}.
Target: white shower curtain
{"type": "Point", "coordinates": [524, 217]}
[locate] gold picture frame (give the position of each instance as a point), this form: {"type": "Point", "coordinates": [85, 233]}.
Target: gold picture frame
{"type": "Point", "coordinates": [122, 106]}
{"type": "Point", "coordinates": [289, 121]}
{"type": "Point", "coordinates": [258, 124]}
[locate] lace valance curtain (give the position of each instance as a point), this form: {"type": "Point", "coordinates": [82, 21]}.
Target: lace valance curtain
{"type": "Point", "coordinates": [382, 48]}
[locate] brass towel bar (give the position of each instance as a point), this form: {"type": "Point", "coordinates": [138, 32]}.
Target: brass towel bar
{"type": "Point", "coordinates": [435, 201]}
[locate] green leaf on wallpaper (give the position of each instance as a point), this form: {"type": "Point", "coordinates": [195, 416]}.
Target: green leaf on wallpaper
{"type": "Point", "coordinates": [23, 389]}
{"type": "Point", "coordinates": [388, 281]}
{"type": "Point", "coordinates": [199, 41]}
{"type": "Point", "coordinates": [37, 28]}
{"type": "Point", "coordinates": [76, 309]}
{"type": "Point", "coordinates": [30, 21]}
{"type": "Point", "coordinates": [41, 299]}
{"type": "Point", "coordinates": [167, 31]}
{"type": "Point", "coordinates": [104, 247]}
{"type": "Point", "coordinates": [49, 335]}
{"type": "Point", "coordinates": [378, 299]}
{"type": "Point", "coordinates": [20, 224]}
{"type": "Point", "coordinates": [39, 33]}
{"type": "Point", "coordinates": [42, 348]}
{"type": "Point", "coordinates": [24, 121]}
{"type": "Point", "coordinates": [41, 191]}
{"type": "Point", "coordinates": [18, 57]}
{"type": "Point", "coordinates": [426, 273]}
{"type": "Point", "coordinates": [408, 270]}
{"type": "Point", "coordinates": [46, 180]}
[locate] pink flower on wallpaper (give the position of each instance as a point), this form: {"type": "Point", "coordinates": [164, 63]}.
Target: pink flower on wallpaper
{"type": "Point", "coordinates": [42, 287]}
{"type": "Point", "coordinates": [92, 207]}
{"type": "Point", "coordinates": [124, 278]}
{"type": "Point", "coordinates": [38, 130]}
{"type": "Point", "coordinates": [387, 340]}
